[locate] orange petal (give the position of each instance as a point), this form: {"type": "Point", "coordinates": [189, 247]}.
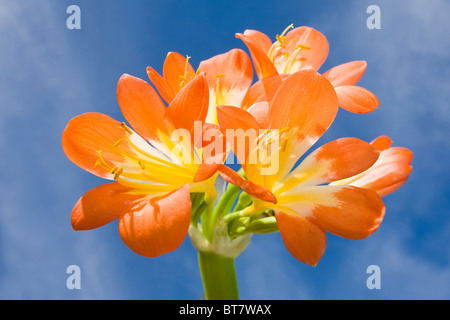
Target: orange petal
{"type": "Point", "coordinates": [356, 99]}
{"type": "Point", "coordinates": [175, 68]}
{"type": "Point", "coordinates": [234, 69]}
{"type": "Point", "coordinates": [262, 91]}
{"type": "Point", "coordinates": [346, 211]}
{"type": "Point", "coordinates": [89, 133]}
{"type": "Point", "coordinates": [241, 130]}
{"type": "Point", "coordinates": [157, 226]}
{"type": "Point", "coordinates": [260, 111]}
{"type": "Point", "coordinates": [382, 143]}
{"type": "Point", "coordinates": [141, 106]}
{"type": "Point", "coordinates": [261, 40]}
{"type": "Point", "coordinates": [213, 156]}
{"type": "Point", "coordinates": [347, 74]}
{"type": "Point", "coordinates": [161, 85]}
{"type": "Point", "coordinates": [390, 171]}
{"type": "Point", "coordinates": [312, 58]}
{"type": "Point", "coordinates": [304, 240]}
{"type": "Point", "coordinates": [305, 100]}
{"type": "Point", "coordinates": [189, 105]}
{"type": "Point", "coordinates": [249, 187]}
{"type": "Point", "coordinates": [338, 159]}
{"type": "Point", "coordinates": [263, 66]}
{"type": "Point", "coordinates": [102, 205]}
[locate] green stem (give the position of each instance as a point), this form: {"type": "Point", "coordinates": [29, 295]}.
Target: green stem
{"type": "Point", "coordinates": [219, 276]}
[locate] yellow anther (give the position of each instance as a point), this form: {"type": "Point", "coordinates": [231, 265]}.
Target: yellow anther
{"type": "Point", "coordinates": [303, 47]}
{"type": "Point", "coordinates": [127, 129]}
{"type": "Point", "coordinates": [283, 130]}
{"type": "Point", "coordinates": [284, 144]}
{"type": "Point", "coordinates": [141, 164]}
{"type": "Point", "coordinates": [113, 170]}
{"type": "Point", "coordinates": [219, 75]}
{"type": "Point", "coordinates": [118, 173]}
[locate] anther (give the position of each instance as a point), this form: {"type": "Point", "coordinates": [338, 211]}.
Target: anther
{"type": "Point", "coordinates": [127, 129]}
{"type": "Point", "coordinates": [118, 173]}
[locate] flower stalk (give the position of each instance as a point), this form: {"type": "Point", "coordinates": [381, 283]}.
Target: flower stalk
{"type": "Point", "coordinates": [218, 276]}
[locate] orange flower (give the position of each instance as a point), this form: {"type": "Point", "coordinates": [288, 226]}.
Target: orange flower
{"type": "Point", "coordinates": [304, 208]}
{"type": "Point", "coordinates": [154, 175]}
{"type": "Point", "coordinates": [306, 48]}
{"type": "Point", "coordinates": [389, 173]}
{"type": "Point", "coordinates": [229, 76]}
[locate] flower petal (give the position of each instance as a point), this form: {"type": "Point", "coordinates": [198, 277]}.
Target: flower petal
{"type": "Point", "coordinates": [161, 85]}
{"type": "Point", "coordinates": [233, 68]}
{"type": "Point", "coordinates": [263, 66]}
{"type": "Point", "coordinates": [263, 90]}
{"type": "Point", "coordinates": [157, 226]}
{"type": "Point", "coordinates": [382, 143]}
{"type": "Point", "coordinates": [338, 159]}
{"type": "Point", "coordinates": [241, 130]}
{"type": "Point", "coordinates": [189, 105]}
{"type": "Point", "coordinates": [304, 240]}
{"type": "Point", "coordinates": [89, 133]}
{"type": "Point", "coordinates": [356, 99]}
{"type": "Point", "coordinates": [305, 100]}
{"type": "Point", "coordinates": [346, 211]}
{"type": "Point", "coordinates": [389, 173]}
{"type": "Point", "coordinates": [347, 74]}
{"type": "Point", "coordinates": [175, 69]}
{"type": "Point", "coordinates": [260, 111]}
{"type": "Point", "coordinates": [247, 186]}
{"type": "Point", "coordinates": [229, 76]}
{"type": "Point", "coordinates": [261, 40]}
{"type": "Point", "coordinates": [102, 205]}
{"type": "Point", "coordinates": [312, 58]}
{"type": "Point", "coordinates": [141, 106]}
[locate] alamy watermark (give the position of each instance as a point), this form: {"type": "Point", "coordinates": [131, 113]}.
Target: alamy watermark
{"type": "Point", "coordinates": [74, 20]}
{"type": "Point", "coordinates": [374, 20]}
{"type": "Point", "coordinates": [74, 280]}
{"type": "Point", "coordinates": [374, 280]}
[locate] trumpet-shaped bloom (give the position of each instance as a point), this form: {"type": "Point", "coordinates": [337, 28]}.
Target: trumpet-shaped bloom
{"type": "Point", "coordinates": [304, 205]}
{"type": "Point", "coordinates": [389, 172]}
{"type": "Point", "coordinates": [229, 76]}
{"type": "Point", "coordinates": [153, 173]}
{"type": "Point", "coordinates": [306, 48]}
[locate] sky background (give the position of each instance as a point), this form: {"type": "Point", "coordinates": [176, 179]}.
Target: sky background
{"type": "Point", "coordinates": [49, 74]}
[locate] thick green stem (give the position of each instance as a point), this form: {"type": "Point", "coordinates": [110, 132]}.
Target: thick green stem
{"type": "Point", "coordinates": [219, 276]}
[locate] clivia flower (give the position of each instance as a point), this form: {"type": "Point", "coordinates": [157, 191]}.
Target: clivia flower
{"type": "Point", "coordinates": [166, 176]}
{"type": "Point", "coordinates": [303, 108]}
{"type": "Point", "coordinates": [151, 195]}
{"type": "Point", "coordinates": [306, 48]}
{"type": "Point", "coordinates": [229, 76]}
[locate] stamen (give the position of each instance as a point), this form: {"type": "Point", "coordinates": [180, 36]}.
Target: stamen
{"type": "Point", "coordinates": [127, 129]}
{"type": "Point", "coordinates": [118, 142]}
{"type": "Point", "coordinates": [302, 46]}
{"type": "Point", "coordinates": [280, 43]}
{"type": "Point", "coordinates": [118, 173]}
{"type": "Point", "coordinates": [186, 73]}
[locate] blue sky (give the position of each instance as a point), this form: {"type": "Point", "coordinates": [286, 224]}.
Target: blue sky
{"type": "Point", "coordinates": [49, 74]}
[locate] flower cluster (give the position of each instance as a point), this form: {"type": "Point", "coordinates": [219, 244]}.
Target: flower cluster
{"type": "Point", "coordinates": [166, 164]}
